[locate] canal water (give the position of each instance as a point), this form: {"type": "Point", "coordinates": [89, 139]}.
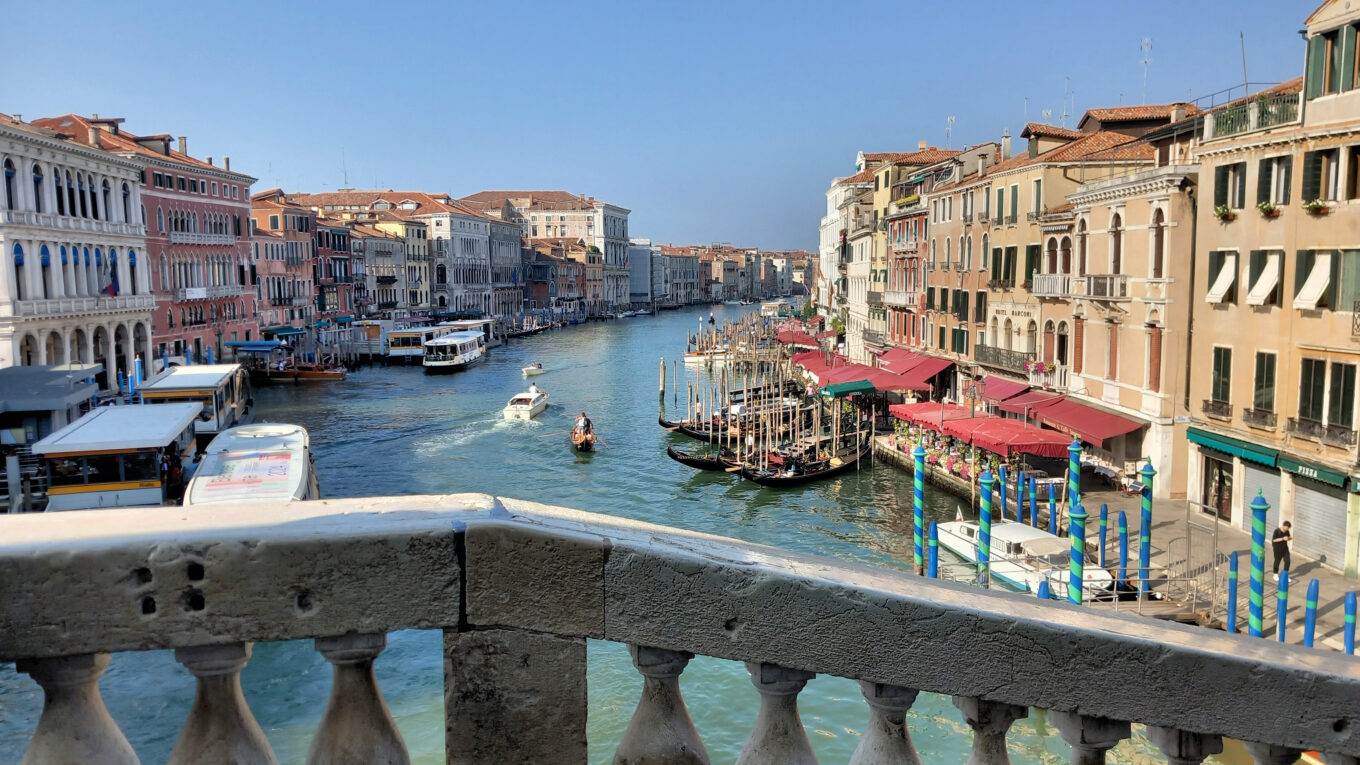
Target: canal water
{"type": "Point", "coordinates": [397, 431]}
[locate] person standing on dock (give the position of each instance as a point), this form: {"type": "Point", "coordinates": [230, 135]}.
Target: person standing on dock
{"type": "Point", "coordinates": [1279, 542]}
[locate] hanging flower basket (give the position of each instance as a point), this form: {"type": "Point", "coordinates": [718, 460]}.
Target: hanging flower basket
{"type": "Point", "coordinates": [1316, 207]}
{"type": "Point", "coordinates": [1039, 367]}
{"type": "Point", "coordinates": [1225, 213]}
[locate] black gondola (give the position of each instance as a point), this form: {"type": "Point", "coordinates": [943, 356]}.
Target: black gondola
{"type": "Point", "coordinates": [811, 472]}
{"type": "Point", "coordinates": [583, 442]}
{"type": "Point", "coordinates": [724, 459]}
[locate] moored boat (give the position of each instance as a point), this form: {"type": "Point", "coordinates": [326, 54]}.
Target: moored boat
{"type": "Point", "coordinates": [1023, 556]}
{"type": "Point", "coordinates": [526, 406]}
{"type": "Point", "coordinates": [722, 460]}
{"type": "Point", "coordinates": [290, 370]}
{"type": "Point", "coordinates": [265, 462]}
{"type": "Point", "coordinates": [792, 472]}
{"type": "Point", "coordinates": [583, 441]}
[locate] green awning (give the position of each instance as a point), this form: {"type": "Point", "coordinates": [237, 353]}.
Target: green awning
{"type": "Point", "coordinates": [322, 324]}
{"type": "Point", "coordinates": [1315, 472]}
{"type": "Point", "coordinates": [344, 319]}
{"type": "Point", "coordinates": [1243, 449]}
{"type": "Point", "coordinates": [283, 331]}
{"type": "Point", "coordinates": [848, 388]}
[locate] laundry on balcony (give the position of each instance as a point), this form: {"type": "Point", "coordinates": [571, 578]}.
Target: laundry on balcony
{"type": "Point", "coordinates": [1319, 278]}
{"type": "Point", "coordinates": [1227, 276]}
{"type": "Point", "coordinates": [1265, 284]}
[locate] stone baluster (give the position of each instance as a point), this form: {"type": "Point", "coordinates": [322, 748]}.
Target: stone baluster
{"type": "Point", "coordinates": [220, 727]}
{"type": "Point", "coordinates": [357, 727]}
{"type": "Point", "coordinates": [1182, 747]}
{"type": "Point", "coordinates": [989, 720]}
{"type": "Point", "coordinates": [886, 739]}
{"type": "Point", "coordinates": [778, 737]}
{"type": "Point", "coordinates": [1272, 754]}
{"type": "Point", "coordinates": [1090, 737]}
{"type": "Point", "coordinates": [661, 730]}
{"type": "Point", "coordinates": [75, 725]}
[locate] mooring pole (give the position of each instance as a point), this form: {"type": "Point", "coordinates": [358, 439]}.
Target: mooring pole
{"type": "Point", "coordinates": [1256, 595]}
{"type": "Point", "coordinates": [1232, 592]}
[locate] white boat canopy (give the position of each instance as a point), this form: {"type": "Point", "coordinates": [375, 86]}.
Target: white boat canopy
{"type": "Point", "coordinates": [122, 429]}
{"type": "Point", "coordinates": [196, 377]}
{"type": "Point", "coordinates": [453, 338]}
{"type": "Point", "coordinates": [252, 464]}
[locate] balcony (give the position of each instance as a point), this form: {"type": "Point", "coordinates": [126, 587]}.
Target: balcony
{"type": "Point", "coordinates": [1002, 358]}
{"type": "Point", "coordinates": [1051, 285]}
{"type": "Point", "coordinates": [900, 298]}
{"type": "Point", "coordinates": [1107, 286]}
{"type": "Point", "coordinates": [207, 293]}
{"type": "Point", "coordinates": [386, 279]}
{"type": "Point", "coordinates": [1338, 435]}
{"type": "Point", "coordinates": [1001, 284]}
{"type": "Point", "coordinates": [968, 217]}
{"type": "Point", "coordinates": [68, 223]}
{"type": "Point", "coordinates": [387, 304]}
{"type": "Point", "coordinates": [874, 298]}
{"type": "Point", "coordinates": [301, 301]}
{"type": "Point", "coordinates": [1221, 410]}
{"type": "Point", "coordinates": [872, 337]}
{"type": "Point", "coordinates": [194, 237]}
{"type": "Point", "coordinates": [1011, 220]}
{"type": "Point", "coordinates": [281, 302]}
{"type": "Point", "coordinates": [901, 248]}
{"type": "Point", "coordinates": [1246, 116]}
{"type": "Point", "coordinates": [1257, 418]}
{"type": "Point", "coordinates": [84, 306]}
{"type": "Point", "coordinates": [999, 220]}
{"type": "Point", "coordinates": [514, 591]}
{"type": "Point", "coordinates": [1305, 428]}
{"type": "Point", "coordinates": [1052, 377]}
{"type": "Point", "coordinates": [863, 224]}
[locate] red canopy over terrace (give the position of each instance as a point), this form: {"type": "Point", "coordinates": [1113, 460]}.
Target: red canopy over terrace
{"type": "Point", "coordinates": [1085, 422]}
{"type": "Point", "coordinates": [1006, 437]}
{"type": "Point", "coordinates": [999, 389]}
{"type": "Point", "coordinates": [847, 373]}
{"type": "Point", "coordinates": [796, 337]}
{"type": "Point", "coordinates": [884, 380]}
{"type": "Point", "coordinates": [930, 414]}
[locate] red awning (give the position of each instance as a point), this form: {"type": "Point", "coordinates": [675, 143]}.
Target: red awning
{"type": "Point", "coordinates": [794, 337]}
{"type": "Point", "coordinates": [1006, 437]}
{"type": "Point", "coordinates": [895, 355]}
{"type": "Point", "coordinates": [1027, 403]}
{"type": "Point", "coordinates": [928, 413]}
{"type": "Point", "coordinates": [999, 388]}
{"type": "Point", "coordinates": [884, 380]}
{"type": "Point", "coordinates": [928, 367]}
{"type": "Point", "coordinates": [1085, 422]}
{"type": "Point", "coordinates": [847, 373]}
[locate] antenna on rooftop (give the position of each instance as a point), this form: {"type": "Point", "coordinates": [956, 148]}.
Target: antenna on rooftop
{"type": "Point", "coordinates": [949, 133]}
{"type": "Point", "coordinates": [1046, 114]}
{"type": "Point", "coordinates": [344, 168]}
{"type": "Point", "coordinates": [1026, 108]}
{"type": "Point", "coordinates": [1067, 91]}
{"type": "Point", "coordinates": [1147, 61]}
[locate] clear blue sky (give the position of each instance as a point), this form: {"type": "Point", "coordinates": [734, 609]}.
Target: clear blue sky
{"type": "Point", "coordinates": [711, 121]}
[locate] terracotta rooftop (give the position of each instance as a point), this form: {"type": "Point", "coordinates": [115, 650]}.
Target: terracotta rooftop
{"type": "Point", "coordinates": [76, 128]}
{"type": "Point", "coordinates": [426, 203]}
{"type": "Point", "coordinates": [1135, 113]}
{"type": "Point", "coordinates": [1104, 146]}
{"type": "Point", "coordinates": [1052, 131]}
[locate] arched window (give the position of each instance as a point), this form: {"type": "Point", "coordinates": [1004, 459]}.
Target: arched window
{"type": "Point", "coordinates": [1116, 243]}
{"type": "Point", "coordinates": [1032, 337]}
{"type": "Point", "coordinates": [968, 255]}
{"type": "Point", "coordinates": [9, 185]}
{"type": "Point", "coordinates": [1065, 255]}
{"type": "Point", "coordinates": [986, 256]}
{"type": "Point", "coordinates": [165, 273]}
{"type": "Point", "coordinates": [1062, 343]}
{"type": "Point", "coordinates": [83, 200]}
{"type": "Point", "coordinates": [132, 272]}
{"type": "Point", "coordinates": [37, 188]}
{"type": "Point", "coordinates": [127, 206]}
{"type": "Point", "coordinates": [20, 283]}
{"type": "Point", "coordinates": [160, 220]}
{"type": "Point", "coordinates": [1082, 240]}
{"type": "Point", "coordinates": [94, 190]}
{"type": "Point", "coordinates": [108, 201]}
{"type": "Point", "coordinates": [948, 249]}
{"type": "Point", "coordinates": [1051, 261]}
{"type": "Point", "coordinates": [1158, 244]}
{"type": "Point", "coordinates": [61, 192]}
{"type": "Point", "coordinates": [1049, 340]}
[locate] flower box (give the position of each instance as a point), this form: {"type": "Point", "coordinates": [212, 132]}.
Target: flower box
{"type": "Point", "coordinates": [1225, 213]}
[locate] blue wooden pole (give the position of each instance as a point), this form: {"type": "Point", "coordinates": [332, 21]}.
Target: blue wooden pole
{"type": "Point", "coordinates": [1310, 613]}
{"type": "Point", "coordinates": [1104, 528]}
{"type": "Point", "coordinates": [1145, 533]}
{"type": "Point", "coordinates": [1349, 631]}
{"type": "Point", "coordinates": [1256, 594]}
{"type": "Point", "coordinates": [1232, 592]}
{"type": "Point", "coordinates": [1282, 605]}
{"type": "Point", "coordinates": [1052, 511]}
{"type": "Point", "coordinates": [1020, 497]}
{"type": "Point", "coordinates": [1076, 560]}
{"type": "Point", "coordinates": [1044, 593]}
{"type": "Point", "coordinates": [1001, 473]}
{"type": "Point", "coordinates": [1033, 501]}
{"type": "Point", "coordinates": [984, 546]}
{"type": "Point", "coordinates": [933, 568]}
{"type": "Point", "coordinates": [1123, 548]}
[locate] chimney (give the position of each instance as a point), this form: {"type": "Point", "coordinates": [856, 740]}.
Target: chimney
{"type": "Point", "coordinates": [94, 136]}
{"type": "Point", "coordinates": [1177, 112]}
{"type": "Point", "coordinates": [920, 145]}
{"type": "Point", "coordinates": [1033, 146]}
{"type": "Point", "coordinates": [184, 145]}
{"type": "Point", "coordinates": [1006, 145]}
{"type": "Point", "coordinates": [226, 163]}
{"type": "Point", "coordinates": [210, 160]}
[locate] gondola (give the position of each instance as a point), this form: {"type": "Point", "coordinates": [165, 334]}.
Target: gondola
{"type": "Point", "coordinates": [583, 442]}
{"type": "Point", "coordinates": [724, 460]}
{"type": "Point", "coordinates": [818, 471]}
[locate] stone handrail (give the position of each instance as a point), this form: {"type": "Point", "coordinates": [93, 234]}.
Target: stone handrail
{"type": "Point", "coordinates": [517, 588]}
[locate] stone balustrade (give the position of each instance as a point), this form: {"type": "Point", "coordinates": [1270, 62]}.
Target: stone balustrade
{"type": "Point", "coordinates": [517, 588]}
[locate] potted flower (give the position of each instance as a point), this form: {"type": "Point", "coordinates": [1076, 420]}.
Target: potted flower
{"type": "Point", "coordinates": [1316, 207]}
{"type": "Point", "coordinates": [1268, 209]}
{"type": "Point", "coordinates": [1225, 213]}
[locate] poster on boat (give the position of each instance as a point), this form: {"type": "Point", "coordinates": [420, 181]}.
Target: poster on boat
{"type": "Point", "coordinates": [246, 472]}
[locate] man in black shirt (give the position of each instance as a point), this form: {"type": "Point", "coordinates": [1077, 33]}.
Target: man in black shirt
{"type": "Point", "coordinates": [1279, 542]}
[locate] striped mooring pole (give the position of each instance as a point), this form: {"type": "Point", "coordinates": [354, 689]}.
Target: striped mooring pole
{"type": "Point", "coordinates": [1020, 497]}
{"type": "Point", "coordinates": [984, 547]}
{"type": "Point", "coordinates": [1256, 591]}
{"type": "Point", "coordinates": [1145, 533]}
{"type": "Point", "coordinates": [1123, 548]}
{"type": "Point", "coordinates": [1052, 511]}
{"type": "Point", "coordinates": [1033, 501]}
{"type": "Point", "coordinates": [1001, 492]}
{"type": "Point", "coordinates": [1104, 529]}
{"type": "Point", "coordinates": [1232, 592]}
{"type": "Point", "coordinates": [1076, 530]}
{"type": "Point", "coordinates": [1348, 633]}
{"type": "Point", "coordinates": [933, 569]}
{"type": "Point", "coordinates": [1282, 605]}
{"type": "Point", "coordinates": [1073, 475]}
{"type": "Point", "coordinates": [918, 503]}
{"type": "Point", "coordinates": [1310, 613]}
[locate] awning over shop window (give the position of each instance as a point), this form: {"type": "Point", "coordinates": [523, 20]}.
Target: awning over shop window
{"type": "Point", "coordinates": [1313, 471]}
{"type": "Point", "coordinates": [1030, 403]}
{"type": "Point", "coordinates": [1086, 422]}
{"type": "Point", "coordinates": [284, 331]}
{"type": "Point", "coordinates": [1233, 446]}
{"type": "Point", "coordinates": [921, 373]}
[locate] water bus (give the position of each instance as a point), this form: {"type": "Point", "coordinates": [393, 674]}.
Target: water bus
{"type": "Point", "coordinates": [454, 351]}
{"type": "Point", "coordinates": [266, 462]}
{"type": "Point", "coordinates": [111, 457]}
{"type": "Point", "coordinates": [222, 390]}
{"type": "Point", "coordinates": [406, 346]}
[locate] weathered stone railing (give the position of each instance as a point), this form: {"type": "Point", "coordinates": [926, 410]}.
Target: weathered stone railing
{"type": "Point", "coordinates": [517, 588]}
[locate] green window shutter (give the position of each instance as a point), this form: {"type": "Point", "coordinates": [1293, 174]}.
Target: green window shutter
{"type": "Point", "coordinates": [1347, 58]}
{"type": "Point", "coordinates": [1241, 187]}
{"type": "Point", "coordinates": [996, 263]}
{"type": "Point", "coordinates": [1256, 265]}
{"type": "Point", "coordinates": [1286, 177]}
{"type": "Point", "coordinates": [1312, 176]}
{"type": "Point", "coordinates": [1010, 262]}
{"type": "Point", "coordinates": [1220, 185]}
{"type": "Point", "coordinates": [1302, 266]}
{"type": "Point", "coordinates": [941, 338]}
{"type": "Point", "coordinates": [963, 310]}
{"type": "Point", "coordinates": [1000, 203]}
{"type": "Point", "coordinates": [1031, 261]}
{"type": "Point", "coordinates": [1333, 293]}
{"type": "Point", "coordinates": [1263, 180]}
{"type": "Point", "coordinates": [1341, 407]}
{"type": "Point", "coordinates": [1215, 265]}
{"type": "Point", "coordinates": [1316, 68]}
{"type": "Point", "coordinates": [981, 307]}
{"type": "Point", "coordinates": [1015, 202]}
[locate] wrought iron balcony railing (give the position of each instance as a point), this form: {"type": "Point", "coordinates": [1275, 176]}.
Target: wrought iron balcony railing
{"type": "Point", "coordinates": [1258, 418]}
{"type": "Point", "coordinates": [1002, 358]}
{"type": "Point", "coordinates": [1220, 409]}
{"type": "Point", "coordinates": [1339, 435]}
{"type": "Point", "coordinates": [1305, 427]}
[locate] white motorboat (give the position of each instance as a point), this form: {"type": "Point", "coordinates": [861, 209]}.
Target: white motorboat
{"type": "Point", "coordinates": [526, 406]}
{"type": "Point", "coordinates": [255, 463]}
{"type": "Point", "coordinates": [1022, 556]}
{"type": "Point", "coordinates": [533, 369]}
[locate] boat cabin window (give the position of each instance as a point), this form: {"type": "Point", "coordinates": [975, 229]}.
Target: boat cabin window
{"type": "Point", "coordinates": [968, 531]}
{"type": "Point", "coordinates": [1015, 548]}
{"type": "Point", "coordinates": [103, 468]}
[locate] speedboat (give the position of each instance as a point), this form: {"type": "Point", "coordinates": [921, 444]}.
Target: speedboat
{"type": "Point", "coordinates": [1023, 556]}
{"type": "Point", "coordinates": [533, 369]}
{"type": "Point", "coordinates": [526, 406]}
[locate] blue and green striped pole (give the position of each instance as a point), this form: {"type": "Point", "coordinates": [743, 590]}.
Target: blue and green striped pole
{"type": "Point", "coordinates": [918, 504]}
{"type": "Point", "coordinates": [1052, 511]}
{"type": "Point", "coordinates": [1232, 592]}
{"type": "Point", "coordinates": [1104, 529]}
{"type": "Point", "coordinates": [1001, 491]}
{"type": "Point", "coordinates": [988, 481]}
{"type": "Point", "coordinates": [1310, 613]}
{"type": "Point", "coordinates": [1256, 594]}
{"type": "Point", "coordinates": [1073, 474]}
{"type": "Point", "coordinates": [1033, 501]}
{"type": "Point", "coordinates": [1077, 559]}
{"type": "Point", "coordinates": [1145, 533]}
{"type": "Point", "coordinates": [1348, 633]}
{"type": "Point", "coordinates": [1020, 497]}
{"type": "Point", "coordinates": [1123, 548]}
{"type": "Point", "coordinates": [933, 561]}
{"type": "Point", "coordinates": [1282, 605]}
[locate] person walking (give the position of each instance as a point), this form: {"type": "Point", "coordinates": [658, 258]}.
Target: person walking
{"type": "Point", "coordinates": [1279, 543]}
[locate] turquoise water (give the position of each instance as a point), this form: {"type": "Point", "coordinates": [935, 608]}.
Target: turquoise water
{"type": "Point", "coordinates": [398, 431]}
